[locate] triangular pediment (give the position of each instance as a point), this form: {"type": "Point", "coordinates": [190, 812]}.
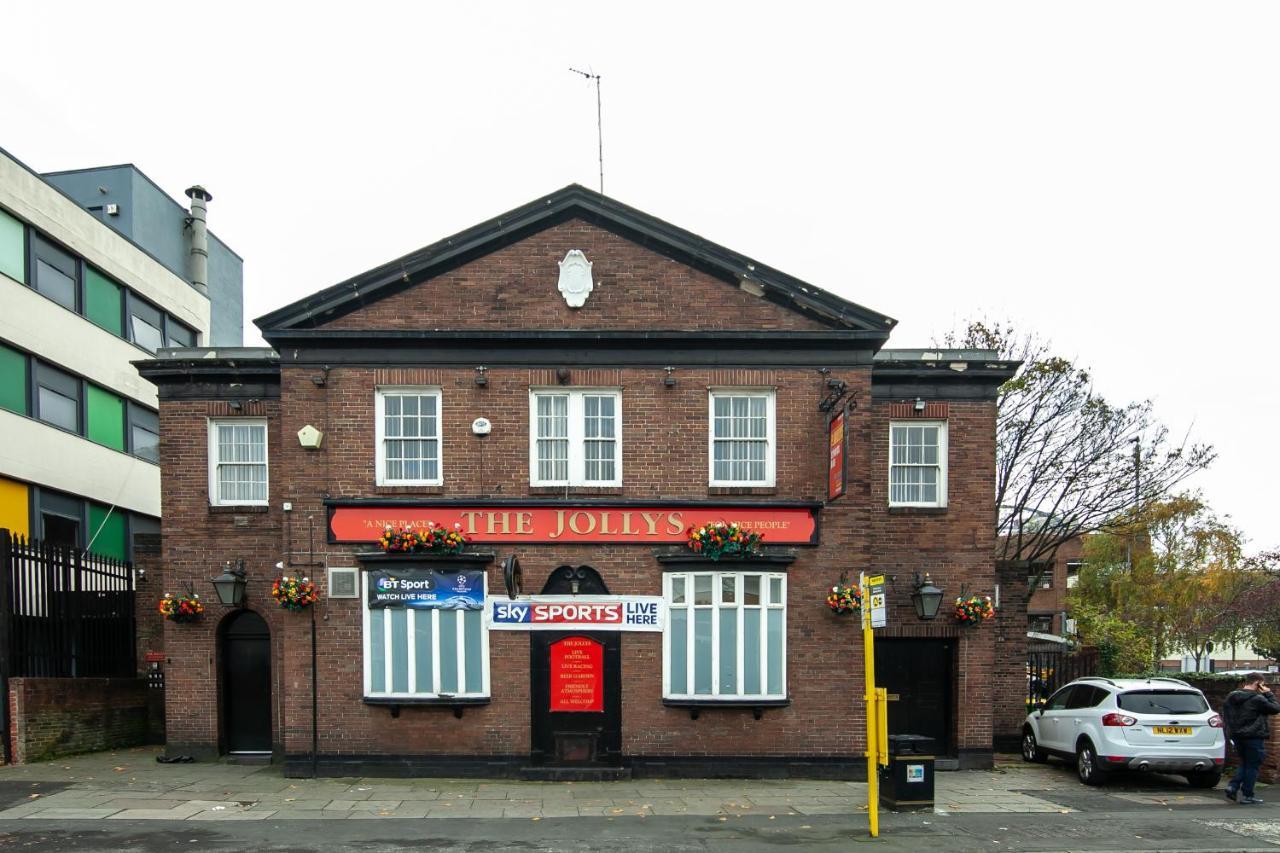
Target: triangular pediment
{"type": "Point", "coordinates": [504, 272]}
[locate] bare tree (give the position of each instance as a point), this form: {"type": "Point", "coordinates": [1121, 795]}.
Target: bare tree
{"type": "Point", "coordinates": [1067, 461]}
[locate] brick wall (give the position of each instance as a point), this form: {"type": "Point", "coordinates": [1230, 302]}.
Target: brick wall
{"type": "Point", "coordinates": [515, 288]}
{"type": "Point", "coordinates": [148, 564]}
{"type": "Point", "coordinates": [1009, 673]}
{"type": "Point", "coordinates": [64, 716]}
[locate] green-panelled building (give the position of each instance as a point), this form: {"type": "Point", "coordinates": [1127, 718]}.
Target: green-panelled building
{"type": "Point", "coordinates": [95, 274]}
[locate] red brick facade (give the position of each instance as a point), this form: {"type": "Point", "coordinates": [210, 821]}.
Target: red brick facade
{"type": "Point", "coordinates": [664, 457]}
{"type": "Point", "coordinates": [635, 288]}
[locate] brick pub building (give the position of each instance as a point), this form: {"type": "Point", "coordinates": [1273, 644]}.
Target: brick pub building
{"type": "Point", "coordinates": [576, 383]}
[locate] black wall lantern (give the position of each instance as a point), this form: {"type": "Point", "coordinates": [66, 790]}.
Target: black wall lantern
{"type": "Point", "coordinates": [230, 584]}
{"type": "Point", "coordinates": [927, 598]}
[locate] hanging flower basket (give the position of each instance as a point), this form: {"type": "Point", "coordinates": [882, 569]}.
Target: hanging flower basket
{"type": "Point", "coordinates": [717, 539]}
{"type": "Point", "coordinates": [844, 599]}
{"type": "Point", "coordinates": [974, 610]}
{"type": "Point", "coordinates": [431, 539]}
{"type": "Point", "coordinates": [181, 608]}
{"type": "Point", "coordinates": [294, 593]}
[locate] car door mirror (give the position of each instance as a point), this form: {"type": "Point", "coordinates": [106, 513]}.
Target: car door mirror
{"type": "Point", "coordinates": [1040, 713]}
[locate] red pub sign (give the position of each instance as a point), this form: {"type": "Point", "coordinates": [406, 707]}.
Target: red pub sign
{"type": "Point", "coordinates": [577, 675]}
{"type": "Point", "coordinates": [532, 523]}
{"type": "Point", "coordinates": [835, 462]}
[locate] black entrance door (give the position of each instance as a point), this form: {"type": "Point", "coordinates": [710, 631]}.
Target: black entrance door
{"type": "Point", "coordinates": [246, 683]}
{"type": "Point", "coordinates": [576, 692]}
{"type": "Point", "coordinates": [917, 676]}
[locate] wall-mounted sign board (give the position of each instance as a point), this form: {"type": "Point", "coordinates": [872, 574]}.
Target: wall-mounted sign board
{"type": "Point", "coordinates": [638, 524]}
{"type": "Point", "coordinates": [572, 612]}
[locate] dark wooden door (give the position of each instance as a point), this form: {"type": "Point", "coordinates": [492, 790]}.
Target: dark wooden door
{"type": "Point", "coordinates": [917, 675]}
{"type": "Point", "coordinates": [586, 667]}
{"type": "Point", "coordinates": [246, 683]}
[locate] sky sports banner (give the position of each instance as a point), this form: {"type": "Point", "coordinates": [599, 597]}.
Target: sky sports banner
{"type": "Point", "coordinates": [423, 589]}
{"type": "Point", "coordinates": [585, 612]}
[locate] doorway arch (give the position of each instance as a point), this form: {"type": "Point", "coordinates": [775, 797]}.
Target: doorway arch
{"type": "Point", "coordinates": [245, 642]}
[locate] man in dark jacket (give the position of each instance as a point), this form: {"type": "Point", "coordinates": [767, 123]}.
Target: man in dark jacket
{"type": "Point", "coordinates": [1245, 714]}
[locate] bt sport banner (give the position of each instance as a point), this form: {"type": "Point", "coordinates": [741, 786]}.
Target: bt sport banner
{"type": "Point", "coordinates": [423, 589]}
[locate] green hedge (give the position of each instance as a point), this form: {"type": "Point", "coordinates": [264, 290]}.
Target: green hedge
{"type": "Point", "coordinates": [1189, 677]}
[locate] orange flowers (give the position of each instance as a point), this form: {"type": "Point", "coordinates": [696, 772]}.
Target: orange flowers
{"type": "Point", "coordinates": [973, 610]}
{"type": "Point", "coordinates": [844, 599]}
{"type": "Point", "coordinates": [183, 608]}
{"type": "Point", "coordinates": [431, 538]}
{"type": "Point", "coordinates": [717, 539]}
{"type": "Point", "coordinates": [294, 593]}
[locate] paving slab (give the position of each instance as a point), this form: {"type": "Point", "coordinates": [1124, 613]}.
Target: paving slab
{"type": "Point", "coordinates": [71, 814]}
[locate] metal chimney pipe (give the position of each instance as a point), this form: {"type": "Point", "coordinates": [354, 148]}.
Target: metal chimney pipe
{"type": "Point", "coordinates": [198, 261]}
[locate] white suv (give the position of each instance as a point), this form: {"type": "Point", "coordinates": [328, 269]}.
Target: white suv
{"type": "Point", "coordinates": [1103, 725]}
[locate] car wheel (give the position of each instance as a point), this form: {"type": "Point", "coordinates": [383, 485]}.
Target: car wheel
{"type": "Point", "coordinates": [1031, 750]}
{"type": "Point", "coordinates": [1088, 767]}
{"type": "Point", "coordinates": [1204, 778]}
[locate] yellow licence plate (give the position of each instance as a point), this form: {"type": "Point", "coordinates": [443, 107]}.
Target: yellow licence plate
{"type": "Point", "coordinates": [1171, 730]}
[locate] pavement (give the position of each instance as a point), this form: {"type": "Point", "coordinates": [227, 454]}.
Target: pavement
{"type": "Point", "coordinates": [126, 801]}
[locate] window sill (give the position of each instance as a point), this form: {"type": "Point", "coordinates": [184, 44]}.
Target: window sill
{"type": "Point", "coordinates": [237, 509]}
{"type": "Point", "coordinates": [697, 706]}
{"type": "Point", "coordinates": [408, 489]}
{"type": "Point", "coordinates": [457, 705]}
{"type": "Point", "coordinates": [742, 490]}
{"type": "Point", "coordinates": [478, 558]}
{"type": "Point", "coordinates": [917, 510]}
{"type": "Point", "coordinates": [675, 560]}
{"type": "Point", "coordinates": [575, 490]}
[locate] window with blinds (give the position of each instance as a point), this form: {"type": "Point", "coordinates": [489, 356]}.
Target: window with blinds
{"type": "Point", "coordinates": [238, 462]}
{"type": "Point", "coordinates": [742, 437]}
{"type": "Point", "coordinates": [918, 463]}
{"type": "Point", "coordinates": [408, 437]}
{"type": "Point", "coordinates": [424, 653]}
{"type": "Point", "coordinates": [575, 437]}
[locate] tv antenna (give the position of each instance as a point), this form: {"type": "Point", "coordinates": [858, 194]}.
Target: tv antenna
{"type": "Point", "coordinates": [599, 123]}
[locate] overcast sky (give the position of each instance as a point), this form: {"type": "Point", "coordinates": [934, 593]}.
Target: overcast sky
{"type": "Point", "coordinates": [1105, 173]}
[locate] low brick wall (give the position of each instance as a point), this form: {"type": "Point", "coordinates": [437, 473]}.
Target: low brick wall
{"type": "Point", "coordinates": [63, 716]}
{"type": "Point", "coordinates": [1216, 692]}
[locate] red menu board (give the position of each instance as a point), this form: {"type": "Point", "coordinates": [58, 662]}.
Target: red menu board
{"type": "Point", "coordinates": [577, 675]}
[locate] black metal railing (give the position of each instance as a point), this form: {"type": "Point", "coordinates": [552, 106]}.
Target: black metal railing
{"type": "Point", "coordinates": [1049, 669]}
{"type": "Point", "coordinates": [64, 612]}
